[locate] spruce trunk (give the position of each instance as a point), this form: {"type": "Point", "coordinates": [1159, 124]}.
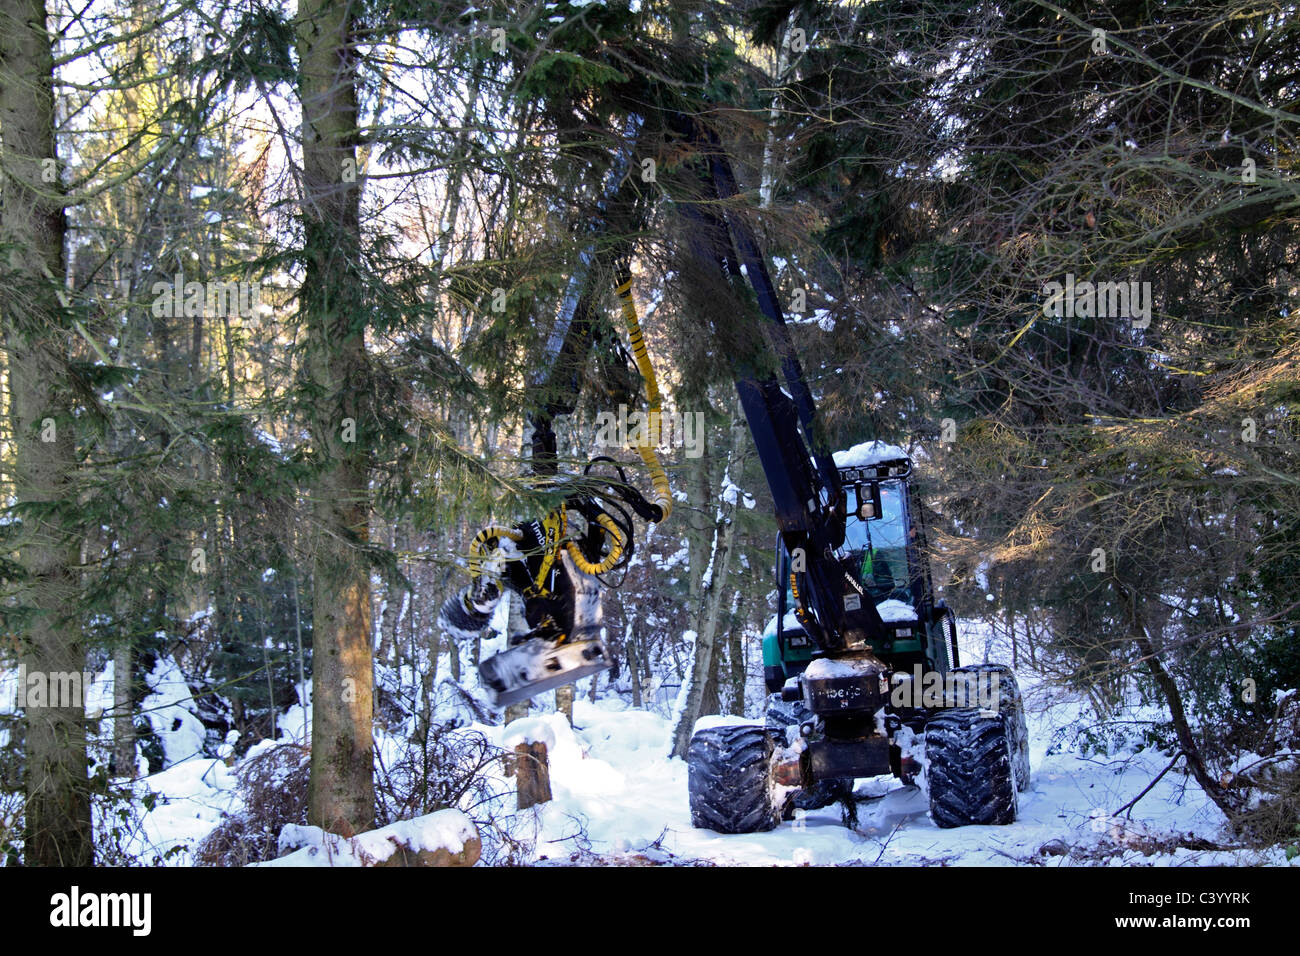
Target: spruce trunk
{"type": "Point", "coordinates": [342, 794]}
{"type": "Point", "coordinates": [32, 225]}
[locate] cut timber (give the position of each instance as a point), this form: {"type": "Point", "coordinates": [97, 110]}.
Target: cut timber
{"type": "Point", "coordinates": [532, 773]}
{"type": "Point", "coordinates": [404, 855]}
{"type": "Point", "coordinates": [444, 838]}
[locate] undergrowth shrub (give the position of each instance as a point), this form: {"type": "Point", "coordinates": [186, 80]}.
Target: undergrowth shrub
{"type": "Point", "coordinates": [273, 787]}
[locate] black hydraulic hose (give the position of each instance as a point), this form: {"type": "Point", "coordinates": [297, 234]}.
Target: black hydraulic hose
{"type": "Point", "coordinates": [952, 635]}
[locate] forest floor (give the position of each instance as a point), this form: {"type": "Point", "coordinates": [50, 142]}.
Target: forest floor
{"type": "Point", "coordinates": [620, 800]}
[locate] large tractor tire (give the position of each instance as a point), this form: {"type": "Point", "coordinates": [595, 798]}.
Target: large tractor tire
{"type": "Point", "coordinates": [1012, 707]}
{"type": "Point", "coordinates": [971, 774]}
{"type": "Point", "coordinates": [730, 779]}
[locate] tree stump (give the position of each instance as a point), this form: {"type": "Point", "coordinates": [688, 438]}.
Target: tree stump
{"type": "Point", "coordinates": [532, 774]}
{"type": "Point", "coordinates": [516, 711]}
{"type": "Point", "coordinates": [564, 701]}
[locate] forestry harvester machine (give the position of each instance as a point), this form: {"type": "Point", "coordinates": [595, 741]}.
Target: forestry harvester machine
{"type": "Point", "coordinates": [861, 658]}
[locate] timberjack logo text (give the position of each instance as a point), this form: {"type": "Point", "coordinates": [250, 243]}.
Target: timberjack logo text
{"type": "Point", "coordinates": [75, 909]}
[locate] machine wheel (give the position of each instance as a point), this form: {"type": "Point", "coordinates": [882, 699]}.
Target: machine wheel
{"type": "Point", "coordinates": [730, 779]}
{"type": "Point", "coordinates": [970, 776]}
{"type": "Point", "coordinates": [1012, 707]}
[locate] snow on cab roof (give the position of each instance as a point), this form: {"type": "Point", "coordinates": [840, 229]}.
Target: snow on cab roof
{"type": "Point", "coordinates": [868, 453]}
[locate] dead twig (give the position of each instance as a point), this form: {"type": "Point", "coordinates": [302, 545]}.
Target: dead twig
{"type": "Point", "coordinates": [1127, 809]}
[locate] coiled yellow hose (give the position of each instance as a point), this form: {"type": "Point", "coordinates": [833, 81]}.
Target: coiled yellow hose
{"type": "Point", "coordinates": [799, 613]}
{"type": "Point", "coordinates": [658, 477]}
{"type": "Point", "coordinates": [662, 494]}
{"type": "Point", "coordinates": [480, 540]}
{"type": "Point", "coordinates": [615, 549]}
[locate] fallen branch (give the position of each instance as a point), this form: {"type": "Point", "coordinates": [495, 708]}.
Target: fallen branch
{"type": "Point", "coordinates": [1127, 809]}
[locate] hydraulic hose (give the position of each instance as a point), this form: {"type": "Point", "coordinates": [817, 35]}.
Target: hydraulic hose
{"type": "Point", "coordinates": [658, 477]}
{"type": "Point", "coordinates": [615, 549]}
{"type": "Point", "coordinates": [476, 548]}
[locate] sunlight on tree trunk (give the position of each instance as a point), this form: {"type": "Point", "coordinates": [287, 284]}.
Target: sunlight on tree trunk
{"type": "Point", "coordinates": [342, 798]}
{"type": "Point", "coordinates": [58, 825]}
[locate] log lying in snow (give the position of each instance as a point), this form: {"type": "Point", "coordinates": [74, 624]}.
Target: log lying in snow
{"type": "Point", "coordinates": [438, 856]}
{"type": "Point", "coordinates": [445, 838]}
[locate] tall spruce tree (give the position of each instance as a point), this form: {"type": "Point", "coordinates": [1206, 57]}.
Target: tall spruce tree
{"type": "Point", "coordinates": [43, 399]}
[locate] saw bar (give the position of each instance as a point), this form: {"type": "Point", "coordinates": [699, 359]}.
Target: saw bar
{"type": "Point", "coordinates": [537, 665]}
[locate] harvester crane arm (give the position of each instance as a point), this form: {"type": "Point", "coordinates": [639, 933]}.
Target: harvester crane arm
{"type": "Point", "coordinates": [551, 571]}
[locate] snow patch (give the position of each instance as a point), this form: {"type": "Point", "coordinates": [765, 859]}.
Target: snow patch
{"type": "Point", "coordinates": [721, 720]}
{"type": "Point", "coordinates": [867, 453]}
{"type": "Point", "coordinates": [788, 623]}
{"type": "Point", "coordinates": [828, 668]}
{"type": "Point", "coordinates": [528, 730]}
{"type": "Point", "coordinates": [170, 708]}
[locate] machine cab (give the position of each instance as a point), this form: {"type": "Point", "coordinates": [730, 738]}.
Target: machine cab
{"type": "Point", "coordinates": [884, 548]}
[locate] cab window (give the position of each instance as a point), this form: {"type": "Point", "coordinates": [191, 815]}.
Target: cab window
{"type": "Point", "coordinates": [878, 548]}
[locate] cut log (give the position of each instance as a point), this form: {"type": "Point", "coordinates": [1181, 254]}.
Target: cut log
{"type": "Point", "coordinates": [443, 838]}
{"type": "Point", "coordinates": [404, 855]}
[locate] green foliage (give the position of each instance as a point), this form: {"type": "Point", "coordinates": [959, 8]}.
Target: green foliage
{"type": "Point", "coordinates": [259, 53]}
{"type": "Point", "coordinates": [561, 73]}
{"type": "Point", "coordinates": [255, 664]}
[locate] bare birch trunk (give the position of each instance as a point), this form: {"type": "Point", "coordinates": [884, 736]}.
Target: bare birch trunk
{"type": "Point", "coordinates": [123, 724]}
{"type": "Point", "coordinates": [702, 689]}
{"type": "Point", "coordinates": [736, 653]}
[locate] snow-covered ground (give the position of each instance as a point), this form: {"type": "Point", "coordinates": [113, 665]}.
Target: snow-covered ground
{"type": "Point", "coordinates": [617, 795]}
{"type": "Point", "coordinates": [619, 798]}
